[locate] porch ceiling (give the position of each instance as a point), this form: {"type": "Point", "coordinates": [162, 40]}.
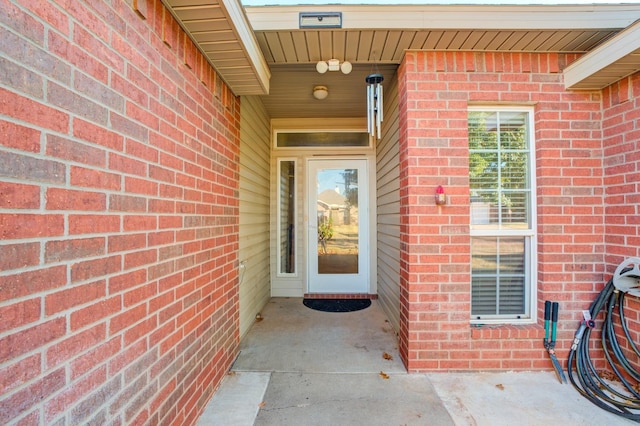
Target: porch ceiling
{"type": "Point", "coordinates": [378, 36]}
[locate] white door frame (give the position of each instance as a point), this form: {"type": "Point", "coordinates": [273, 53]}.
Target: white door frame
{"type": "Point", "coordinates": [359, 282]}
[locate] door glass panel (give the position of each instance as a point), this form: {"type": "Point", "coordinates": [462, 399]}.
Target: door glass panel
{"type": "Point", "coordinates": [337, 210]}
{"type": "Point", "coordinates": [287, 217]}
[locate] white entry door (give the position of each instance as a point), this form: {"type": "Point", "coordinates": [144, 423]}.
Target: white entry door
{"type": "Point", "coordinates": [338, 224]}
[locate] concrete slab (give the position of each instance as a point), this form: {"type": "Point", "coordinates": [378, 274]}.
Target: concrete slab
{"type": "Point", "coordinates": [237, 401]}
{"type": "Point", "coordinates": [522, 398]}
{"type": "Point", "coordinates": [292, 337]}
{"type": "Point", "coordinates": [351, 399]}
{"type": "Point", "coordinates": [303, 367]}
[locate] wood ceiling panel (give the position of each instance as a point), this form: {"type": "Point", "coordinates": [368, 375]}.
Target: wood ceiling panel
{"type": "Point", "coordinates": [338, 42]}
{"type": "Point", "coordinates": [445, 40]}
{"type": "Point", "coordinates": [288, 48]}
{"type": "Point", "coordinates": [203, 25]}
{"type": "Point", "coordinates": [472, 40]}
{"type": "Point", "coordinates": [300, 46]}
{"type": "Point", "coordinates": [550, 42]}
{"type": "Point", "coordinates": [313, 45]}
{"type": "Point", "coordinates": [498, 40]}
{"type": "Point", "coordinates": [214, 36]}
{"type": "Point", "coordinates": [419, 39]}
{"type": "Point", "coordinates": [352, 44]}
{"type": "Point", "coordinates": [191, 3]}
{"type": "Point", "coordinates": [404, 43]}
{"type": "Point", "coordinates": [199, 13]}
{"type": "Point", "coordinates": [432, 40]}
{"type": "Point", "coordinates": [460, 37]}
{"type": "Point", "coordinates": [377, 46]}
{"type": "Point", "coordinates": [326, 44]}
{"type": "Point", "coordinates": [264, 47]}
{"type": "Point", "coordinates": [365, 46]}
{"type": "Point", "coordinates": [273, 39]}
{"type": "Point", "coordinates": [390, 45]}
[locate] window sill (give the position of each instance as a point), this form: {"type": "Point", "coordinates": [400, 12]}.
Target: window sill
{"type": "Point", "coordinates": [507, 331]}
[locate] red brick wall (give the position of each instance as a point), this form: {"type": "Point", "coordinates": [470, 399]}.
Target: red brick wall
{"type": "Point", "coordinates": [621, 134]}
{"type": "Point", "coordinates": [436, 89]}
{"type": "Point", "coordinates": [118, 216]}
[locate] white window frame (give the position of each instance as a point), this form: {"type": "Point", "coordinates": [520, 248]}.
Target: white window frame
{"type": "Point", "coordinates": [531, 244]}
{"type": "Point", "coordinates": [279, 273]}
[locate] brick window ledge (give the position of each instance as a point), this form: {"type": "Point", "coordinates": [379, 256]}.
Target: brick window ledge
{"type": "Point", "coordinates": [507, 331]}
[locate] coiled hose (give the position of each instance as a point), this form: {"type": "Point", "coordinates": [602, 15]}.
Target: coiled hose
{"type": "Point", "coordinates": [621, 400]}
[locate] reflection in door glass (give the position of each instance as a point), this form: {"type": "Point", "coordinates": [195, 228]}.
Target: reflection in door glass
{"type": "Point", "coordinates": [337, 221]}
{"type": "Point", "coordinates": [287, 217]}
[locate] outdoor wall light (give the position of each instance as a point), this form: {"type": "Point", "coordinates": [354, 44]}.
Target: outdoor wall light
{"type": "Point", "coordinates": [441, 197]}
{"type": "Point", "coordinates": [333, 65]}
{"type": "Point", "coordinates": [320, 20]}
{"type": "Point", "coordinates": [320, 92]}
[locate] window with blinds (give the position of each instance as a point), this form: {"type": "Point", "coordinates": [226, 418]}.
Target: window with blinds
{"type": "Point", "coordinates": [502, 214]}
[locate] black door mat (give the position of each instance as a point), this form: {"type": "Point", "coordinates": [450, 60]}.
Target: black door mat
{"type": "Point", "coordinates": [337, 305]}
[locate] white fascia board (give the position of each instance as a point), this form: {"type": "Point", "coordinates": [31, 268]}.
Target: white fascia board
{"type": "Point", "coordinates": [623, 44]}
{"type": "Point", "coordinates": [247, 38]}
{"type": "Point", "coordinates": [461, 17]}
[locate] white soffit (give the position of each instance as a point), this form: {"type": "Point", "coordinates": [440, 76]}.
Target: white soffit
{"type": "Point", "coordinates": [611, 61]}
{"type": "Point", "coordinates": [222, 32]}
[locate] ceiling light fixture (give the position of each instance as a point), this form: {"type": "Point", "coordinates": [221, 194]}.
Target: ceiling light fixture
{"type": "Point", "coordinates": [333, 65]}
{"type": "Point", "coordinates": [320, 92]}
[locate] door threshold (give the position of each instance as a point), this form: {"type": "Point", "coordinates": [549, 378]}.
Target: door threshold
{"type": "Point", "coordinates": [340, 296]}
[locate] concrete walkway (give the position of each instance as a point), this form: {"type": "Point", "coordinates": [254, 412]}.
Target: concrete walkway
{"type": "Point", "coordinates": [302, 367]}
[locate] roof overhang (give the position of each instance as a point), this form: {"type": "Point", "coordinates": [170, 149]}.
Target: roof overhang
{"type": "Point", "coordinates": [478, 17]}
{"type": "Point", "coordinates": [613, 60]}
{"type": "Point", "coordinates": [221, 31]}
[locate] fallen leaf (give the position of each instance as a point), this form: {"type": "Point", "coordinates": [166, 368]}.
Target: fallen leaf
{"type": "Point", "coordinates": [231, 373]}
{"type": "Point", "coordinates": [500, 386]}
{"type": "Point", "coordinates": [384, 375]}
{"type": "Point", "coordinates": [387, 356]}
{"type": "Point", "coordinates": [262, 404]}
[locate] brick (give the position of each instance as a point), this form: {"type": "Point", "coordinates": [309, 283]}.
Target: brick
{"type": "Point", "coordinates": [92, 178]}
{"type": "Point", "coordinates": [63, 250]}
{"type": "Point", "coordinates": [32, 282]}
{"type": "Point", "coordinates": [97, 134]}
{"type": "Point", "coordinates": [16, 256]}
{"type": "Point", "coordinates": [21, 372]}
{"type": "Point", "coordinates": [76, 104]}
{"type": "Point", "coordinates": [30, 169]}
{"type": "Point", "coordinates": [93, 224]}
{"type": "Point", "coordinates": [19, 137]}
{"type": "Point", "coordinates": [21, 22]}
{"type": "Point", "coordinates": [75, 344]}
{"type": "Point", "coordinates": [98, 397]}
{"type": "Point", "coordinates": [15, 226]}
{"type": "Point", "coordinates": [67, 149]}
{"type": "Point", "coordinates": [65, 399]}
{"type": "Point", "coordinates": [127, 318]}
{"type": "Point", "coordinates": [87, 361]}
{"type": "Point", "coordinates": [19, 314]}
{"type": "Point", "coordinates": [21, 342]}
{"type": "Point", "coordinates": [95, 268]}
{"type": "Point", "coordinates": [95, 312]}
{"type": "Point", "coordinates": [70, 297]}
{"type": "Point", "coordinates": [65, 199]}
{"type": "Point", "coordinates": [21, 79]}
{"type": "Point", "coordinates": [140, 258]}
{"type": "Point", "coordinates": [19, 402]}
{"type": "Point", "coordinates": [129, 127]}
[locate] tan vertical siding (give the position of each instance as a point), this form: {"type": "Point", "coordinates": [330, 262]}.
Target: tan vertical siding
{"type": "Point", "coordinates": [254, 210]}
{"type": "Point", "coordinates": [388, 205]}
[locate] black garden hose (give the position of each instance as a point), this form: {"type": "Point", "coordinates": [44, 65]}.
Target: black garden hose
{"type": "Point", "coordinates": [622, 400]}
